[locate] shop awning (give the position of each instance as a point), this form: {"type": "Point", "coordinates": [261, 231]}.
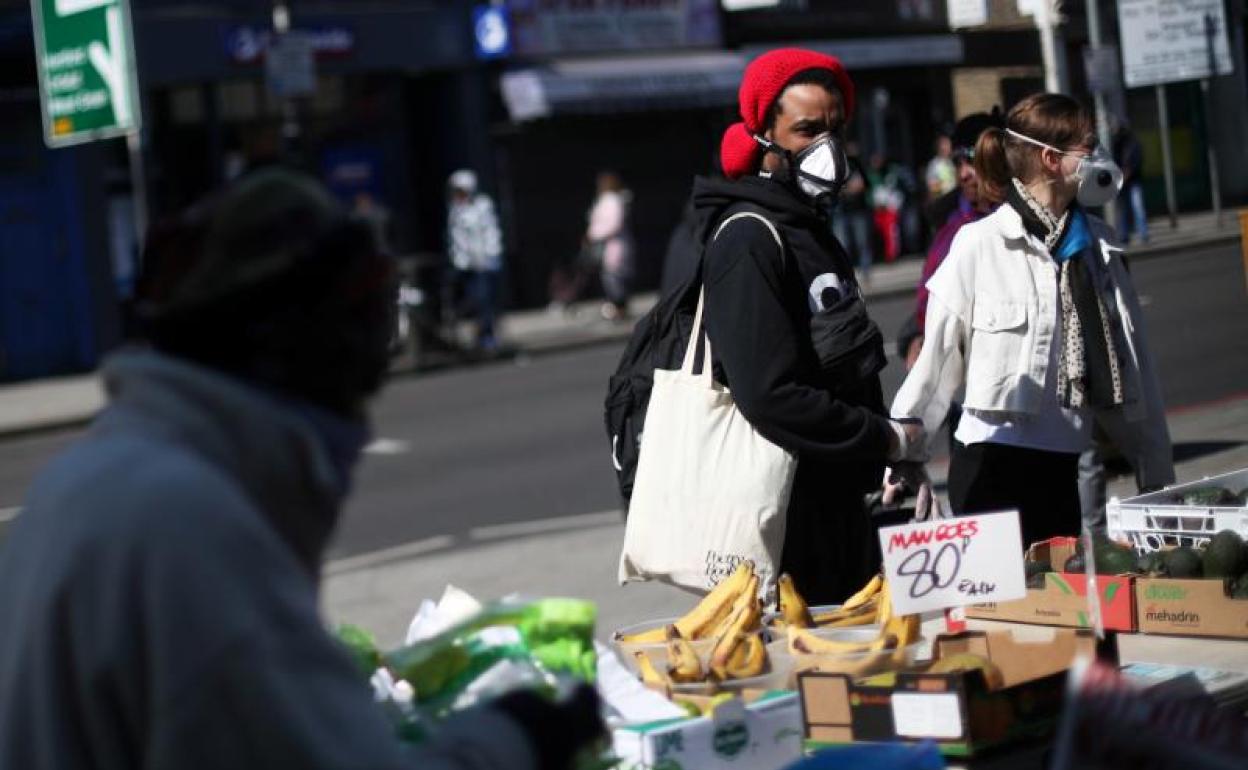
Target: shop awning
{"type": "Point", "coordinates": [694, 79]}
{"type": "Point", "coordinates": [622, 84]}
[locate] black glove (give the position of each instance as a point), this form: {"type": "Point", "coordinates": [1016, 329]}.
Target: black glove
{"type": "Point", "coordinates": [558, 730]}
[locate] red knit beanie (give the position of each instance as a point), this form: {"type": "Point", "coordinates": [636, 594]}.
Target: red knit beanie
{"type": "Point", "coordinates": [764, 80]}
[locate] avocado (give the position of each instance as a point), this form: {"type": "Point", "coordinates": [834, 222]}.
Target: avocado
{"type": "Point", "coordinates": [1151, 564]}
{"type": "Point", "coordinates": [1211, 496]}
{"type": "Point", "coordinates": [1242, 498]}
{"type": "Point", "coordinates": [1225, 556]}
{"type": "Point", "coordinates": [1183, 562]}
{"type": "Point", "coordinates": [1114, 559]}
{"type": "Point", "coordinates": [1239, 589]}
{"type": "Point", "coordinates": [1074, 564]}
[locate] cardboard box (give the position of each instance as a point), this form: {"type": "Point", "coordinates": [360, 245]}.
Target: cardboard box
{"type": "Point", "coordinates": [959, 711]}
{"type": "Point", "coordinates": [1063, 600]}
{"type": "Point", "coordinates": [1189, 608]}
{"type": "Point", "coordinates": [763, 735]}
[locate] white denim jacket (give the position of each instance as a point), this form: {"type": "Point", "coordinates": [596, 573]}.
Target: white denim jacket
{"type": "Point", "coordinates": [990, 323]}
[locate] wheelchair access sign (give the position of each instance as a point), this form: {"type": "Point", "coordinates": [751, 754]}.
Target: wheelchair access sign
{"type": "Point", "coordinates": [87, 82]}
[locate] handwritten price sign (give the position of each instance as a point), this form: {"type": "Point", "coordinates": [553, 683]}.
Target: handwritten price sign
{"type": "Point", "coordinates": [954, 562]}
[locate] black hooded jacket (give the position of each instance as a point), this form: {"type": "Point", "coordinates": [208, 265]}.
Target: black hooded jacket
{"type": "Point", "coordinates": [760, 305]}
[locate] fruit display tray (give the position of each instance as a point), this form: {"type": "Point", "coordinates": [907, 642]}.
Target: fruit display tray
{"type": "Point", "coordinates": [1154, 522]}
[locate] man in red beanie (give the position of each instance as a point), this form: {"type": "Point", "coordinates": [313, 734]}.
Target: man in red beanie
{"type": "Point", "coordinates": [789, 330]}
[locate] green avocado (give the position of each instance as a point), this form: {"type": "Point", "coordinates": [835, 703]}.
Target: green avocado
{"type": "Point", "coordinates": [1183, 562]}
{"type": "Point", "coordinates": [1114, 559]}
{"type": "Point", "coordinates": [1225, 556]}
{"type": "Point", "coordinates": [1151, 564]}
{"type": "Point", "coordinates": [1210, 496]}
{"type": "Point", "coordinates": [1239, 589]}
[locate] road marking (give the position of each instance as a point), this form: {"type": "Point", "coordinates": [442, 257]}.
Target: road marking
{"type": "Point", "coordinates": [386, 555]}
{"type": "Point", "coordinates": [540, 526]}
{"type": "Point", "coordinates": [388, 446]}
{"type": "Point", "coordinates": [8, 514]}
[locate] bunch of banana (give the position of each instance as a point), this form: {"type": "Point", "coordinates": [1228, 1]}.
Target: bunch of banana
{"type": "Point", "coordinates": [683, 664]}
{"type": "Point", "coordinates": [738, 652]}
{"type": "Point", "coordinates": [794, 612]}
{"type": "Point", "coordinates": [896, 633]}
{"type": "Point", "coordinates": [710, 615]}
{"type": "Point", "coordinates": [861, 609]}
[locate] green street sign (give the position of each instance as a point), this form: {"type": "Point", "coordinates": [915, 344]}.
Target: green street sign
{"type": "Point", "coordinates": [87, 75]}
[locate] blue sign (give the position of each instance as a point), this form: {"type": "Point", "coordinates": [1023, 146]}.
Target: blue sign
{"type": "Point", "coordinates": [248, 44]}
{"type": "Point", "coordinates": [491, 32]}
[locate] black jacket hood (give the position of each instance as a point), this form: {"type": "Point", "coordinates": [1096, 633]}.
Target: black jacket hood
{"type": "Point", "coordinates": [712, 197]}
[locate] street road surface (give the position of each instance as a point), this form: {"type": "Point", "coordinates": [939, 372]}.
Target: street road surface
{"type": "Point", "coordinates": [507, 449]}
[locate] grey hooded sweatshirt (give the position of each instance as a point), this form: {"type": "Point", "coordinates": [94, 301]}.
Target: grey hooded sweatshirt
{"type": "Point", "coordinates": [158, 598]}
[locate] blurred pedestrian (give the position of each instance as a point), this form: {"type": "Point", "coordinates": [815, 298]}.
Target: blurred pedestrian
{"type": "Point", "coordinates": [1034, 317]}
{"type": "Point", "coordinates": [609, 240]}
{"type": "Point", "coordinates": [789, 331]}
{"type": "Point", "coordinates": [887, 199]}
{"type": "Point", "coordinates": [1129, 156]}
{"type": "Point", "coordinates": [851, 216]}
{"type": "Point", "coordinates": [366, 208]}
{"type": "Point", "coordinates": [475, 242]}
{"type": "Point", "coordinates": [941, 175]}
{"type": "Point", "coordinates": [970, 205]}
{"type": "Point", "coordinates": [164, 571]}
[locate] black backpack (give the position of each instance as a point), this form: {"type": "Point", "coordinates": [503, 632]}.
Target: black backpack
{"type": "Point", "coordinates": [658, 342]}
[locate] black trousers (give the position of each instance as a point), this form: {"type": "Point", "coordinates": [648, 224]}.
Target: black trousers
{"type": "Point", "coordinates": [1042, 486]}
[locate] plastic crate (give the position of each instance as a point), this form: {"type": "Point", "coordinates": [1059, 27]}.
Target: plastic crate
{"type": "Point", "coordinates": [1152, 522]}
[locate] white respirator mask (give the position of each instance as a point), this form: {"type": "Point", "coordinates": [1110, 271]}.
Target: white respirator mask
{"type": "Point", "coordinates": [1097, 175]}
{"type": "Point", "coordinates": [820, 169]}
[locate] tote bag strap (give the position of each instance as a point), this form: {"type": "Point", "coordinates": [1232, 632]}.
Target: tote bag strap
{"type": "Point", "coordinates": [697, 331]}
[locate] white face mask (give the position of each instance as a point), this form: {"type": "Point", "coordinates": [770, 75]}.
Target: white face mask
{"type": "Point", "coordinates": [1098, 177]}
{"type": "Point", "coordinates": [819, 169]}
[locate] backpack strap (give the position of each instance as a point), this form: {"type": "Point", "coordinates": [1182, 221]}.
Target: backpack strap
{"type": "Point", "coordinates": [775, 234]}
{"type": "Point", "coordinates": [697, 331]}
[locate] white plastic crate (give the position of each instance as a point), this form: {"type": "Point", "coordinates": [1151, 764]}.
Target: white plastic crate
{"type": "Point", "coordinates": [1152, 522]}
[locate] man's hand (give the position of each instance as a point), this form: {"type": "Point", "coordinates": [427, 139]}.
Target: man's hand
{"type": "Point", "coordinates": [908, 442]}
{"type": "Point", "coordinates": [906, 478]}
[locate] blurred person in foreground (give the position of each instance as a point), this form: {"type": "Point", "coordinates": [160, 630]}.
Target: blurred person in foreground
{"type": "Point", "coordinates": [475, 243]}
{"type": "Point", "coordinates": [789, 330]}
{"type": "Point", "coordinates": [164, 571]}
{"type": "Point", "coordinates": [1034, 317]}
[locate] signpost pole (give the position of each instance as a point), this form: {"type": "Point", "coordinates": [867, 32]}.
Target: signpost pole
{"type": "Point", "coordinates": [1214, 181]}
{"type": "Point", "coordinates": [1098, 98]}
{"type": "Point", "coordinates": [1167, 160]}
{"type": "Point", "coordinates": [138, 187]}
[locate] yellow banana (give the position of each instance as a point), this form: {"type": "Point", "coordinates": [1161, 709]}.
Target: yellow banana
{"type": "Point", "coordinates": [846, 621]}
{"type": "Point", "coordinates": [793, 608]}
{"type": "Point", "coordinates": [650, 675]}
{"type": "Point", "coordinates": [748, 659]}
{"type": "Point", "coordinates": [865, 593]}
{"type": "Point", "coordinates": [683, 664]}
{"type": "Point", "coordinates": [744, 620]}
{"type": "Point", "coordinates": [803, 642]}
{"type": "Point", "coordinates": [906, 629]}
{"type": "Point", "coordinates": [699, 622]}
{"type": "Point", "coordinates": [748, 596]}
{"type": "Point", "coordinates": [885, 612]}
{"type": "Point", "coordinates": [655, 635]}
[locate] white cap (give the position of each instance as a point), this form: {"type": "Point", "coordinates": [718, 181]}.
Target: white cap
{"type": "Point", "coordinates": [463, 180]}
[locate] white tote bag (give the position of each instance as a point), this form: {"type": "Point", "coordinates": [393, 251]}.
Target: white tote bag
{"type": "Point", "coordinates": [710, 491]}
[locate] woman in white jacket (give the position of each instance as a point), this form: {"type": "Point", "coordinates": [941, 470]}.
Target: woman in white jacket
{"type": "Point", "coordinates": [1033, 315]}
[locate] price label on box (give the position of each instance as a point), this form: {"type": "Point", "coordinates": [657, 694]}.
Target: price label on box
{"type": "Point", "coordinates": [944, 563]}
